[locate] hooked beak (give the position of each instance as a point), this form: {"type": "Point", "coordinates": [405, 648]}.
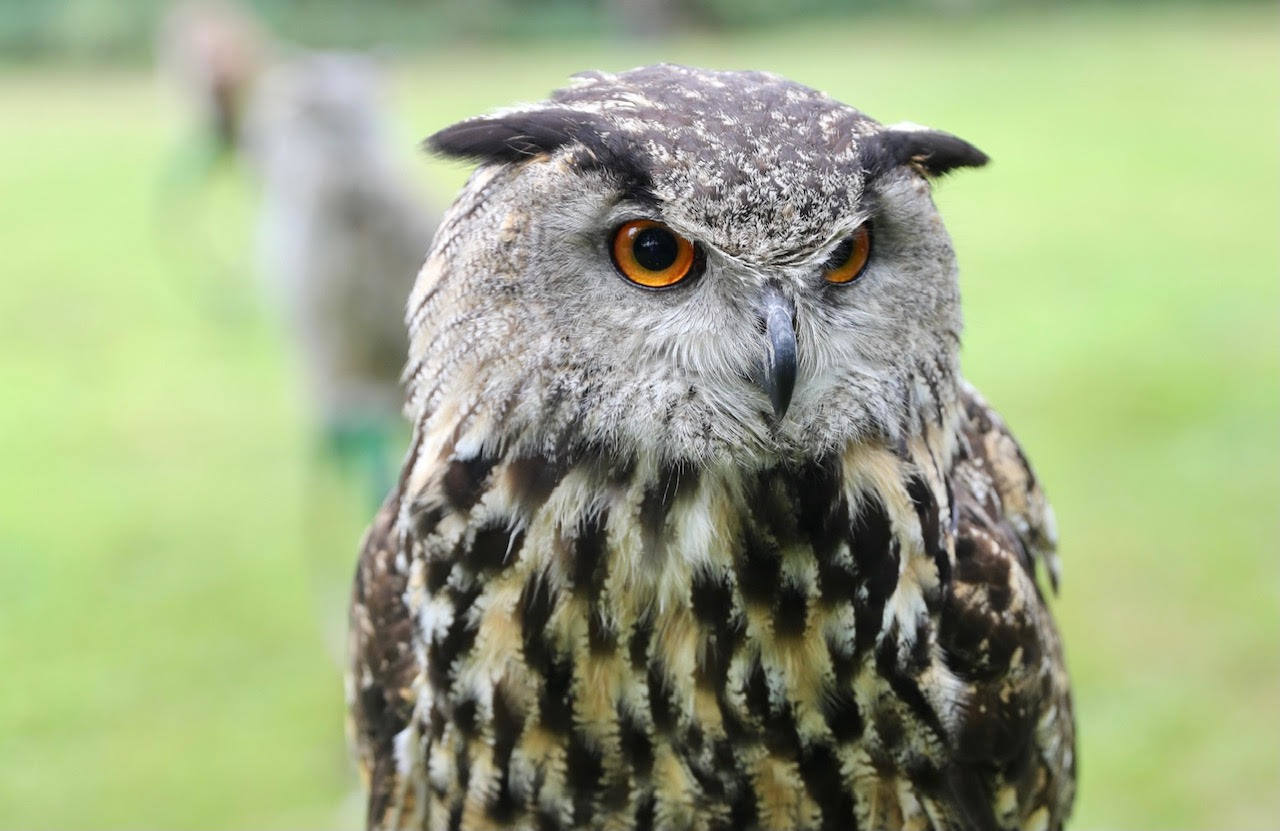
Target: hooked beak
{"type": "Point", "coordinates": [779, 378]}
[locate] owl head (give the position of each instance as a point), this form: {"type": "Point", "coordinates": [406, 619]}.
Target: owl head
{"type": "Point", "coordinates": [317, 117]}
{"type": "Point", "coordinates": [688, 265]}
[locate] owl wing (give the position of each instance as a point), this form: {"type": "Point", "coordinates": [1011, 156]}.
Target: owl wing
{"type": "Point", "coordinates": [993, 464]}
{"type": "Point", "coordinates": [380, 681]}
{"type": "Point", "coordinates": [1015, 754]}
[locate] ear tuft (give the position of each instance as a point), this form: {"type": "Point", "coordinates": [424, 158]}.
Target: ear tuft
{"type": "Point", "coordinates": [510, 136]}
{"type": "Point", "coordinates": [932, 152]}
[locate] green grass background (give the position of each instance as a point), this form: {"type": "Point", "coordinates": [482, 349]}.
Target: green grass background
{"type": "Point", "coordinates": [172, 565]}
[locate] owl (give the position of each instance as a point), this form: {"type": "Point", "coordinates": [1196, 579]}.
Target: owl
{"type": "Point", "coordinates": [341, 235]}
{"type": "Point", "coordinates": [701, 527]}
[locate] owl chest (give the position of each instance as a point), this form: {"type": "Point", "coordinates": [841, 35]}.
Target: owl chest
{"type": "Point", "coordinates": [609, 670]}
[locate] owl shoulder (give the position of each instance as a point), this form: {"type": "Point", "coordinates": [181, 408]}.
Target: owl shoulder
{"type": "Point", "coordinates": [1015, 732]}
{"type": "Point", "coordinates": [996, 486]}
{"type": "Point", "coordinates": [382, 666]}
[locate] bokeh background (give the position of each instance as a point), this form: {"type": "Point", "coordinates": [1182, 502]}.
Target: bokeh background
{"type": "Point", "coordinates": [174, 559]}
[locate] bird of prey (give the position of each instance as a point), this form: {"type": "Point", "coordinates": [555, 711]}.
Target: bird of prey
{"type": "Point", "coordinates": [701, 526]}
{"type": "Point", "coordinates": [342, 232]}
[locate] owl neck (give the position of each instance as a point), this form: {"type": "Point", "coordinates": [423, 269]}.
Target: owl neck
{"type": "Point", "coordinates": [481, 510]}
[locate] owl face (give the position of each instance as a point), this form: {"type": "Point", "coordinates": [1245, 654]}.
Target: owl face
{"type": "Point", "coordinates": [738, 283]}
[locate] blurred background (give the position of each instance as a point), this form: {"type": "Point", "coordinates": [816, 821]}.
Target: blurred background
{"type": "Point", "coordinates": [186, 472]}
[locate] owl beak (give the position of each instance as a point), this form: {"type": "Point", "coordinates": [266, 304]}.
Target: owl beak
{"type": "Point", "coordinates": [779, 377]}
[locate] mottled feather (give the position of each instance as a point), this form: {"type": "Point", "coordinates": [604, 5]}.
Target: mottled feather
{"type": "Point", "coordinates": [828, 672]}
{"type": "Point", "coordinates": [612, 590]}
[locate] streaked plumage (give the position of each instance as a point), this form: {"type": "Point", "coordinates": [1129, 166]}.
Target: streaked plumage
{"type": "Point", "coordinates": [613, 589]}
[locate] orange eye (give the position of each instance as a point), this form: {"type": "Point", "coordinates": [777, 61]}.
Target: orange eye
{"type": "Point", "coordinates": [849, 258]}
{"type": "Point", "coordinates": [650, 254]}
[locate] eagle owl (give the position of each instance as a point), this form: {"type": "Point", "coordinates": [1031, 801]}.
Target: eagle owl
{"type": "Point", "coordinates": [701, 527]}
{"type": "Point", "coordinates": [341, 234]}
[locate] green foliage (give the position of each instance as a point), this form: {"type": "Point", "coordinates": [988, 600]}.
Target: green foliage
{"type": "Point", "coordinates": [174, 566]}
{"type": "Point", "coordinates": [124, 30]}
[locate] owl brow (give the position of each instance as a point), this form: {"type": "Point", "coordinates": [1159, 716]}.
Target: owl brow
{"type": "Point", "coordinates": [638, 190]}
{"type": "Point", "coordinates": [519, 135]}
{"type": "Point", "coordinates": [614, 156]}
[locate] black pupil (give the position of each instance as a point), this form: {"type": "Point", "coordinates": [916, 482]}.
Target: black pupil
{"type": "Point", "coordinates": [841, 255]}
{"type": "Point", "coordinates": [655, 249]}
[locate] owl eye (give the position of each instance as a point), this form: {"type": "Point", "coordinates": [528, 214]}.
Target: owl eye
{"type": "Point", "coordinates": [650, 254]}
{"type": "Point", "coordinates": [849, 258]}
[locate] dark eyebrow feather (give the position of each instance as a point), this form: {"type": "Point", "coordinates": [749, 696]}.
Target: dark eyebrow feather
{"type": "Point", "coordinates": [934, 152]}
{"type": "Point", "coordinates": [518, 136]}
{"type": "Point", "coordinates": [510, 137]}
